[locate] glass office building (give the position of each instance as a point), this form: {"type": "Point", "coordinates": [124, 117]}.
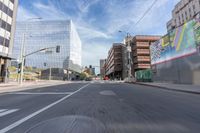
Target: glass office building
{"type": "Point", "coordinates": [45, 34]}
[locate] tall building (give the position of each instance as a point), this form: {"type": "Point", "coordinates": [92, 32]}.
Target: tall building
{"type": "Point", "coordinates": [103, 67]}
{"type": "Point", "coordinates": [45, 34]}
{"type": "Point", "coordinates": [8, 11]}
{"type": "Point", "coordinates": [140, 52]}
{"type": "Point", "coordinates": [114, 63]}
{"type": "Point", "coordinates": [184, 11]}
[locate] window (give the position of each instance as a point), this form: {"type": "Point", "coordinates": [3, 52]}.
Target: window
{"type": "Point", "coordinates": [1, 40]}
{"type": "Point", "coordinates": [3, 24]}
{"type": "Point", "coordinates": [8, 27]}
{"type": "Point", "coordinates": [10, 13]}
{"type": "Point", "coordinates": [182, 17]}
{"type": "Point", "coordinates": [1, 5]}
{"type": "Point", "coordinates": [186, 16]}
{"type": "Point", "coordinates": [194, 9]}
{"type": "Point", "coordinates": [6, 10]}
{"type": "Point", "coordinates": [12, 1]}
{"type": "Point", "coordinates": [7, 42]}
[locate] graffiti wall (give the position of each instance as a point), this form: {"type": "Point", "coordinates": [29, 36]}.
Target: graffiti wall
{"type": "Point", "coordinates": [178, 43]}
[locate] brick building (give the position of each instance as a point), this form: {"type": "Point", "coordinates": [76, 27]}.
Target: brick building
{"type": "Point", "coordinates": [114, 63]}
{"type": "Point", "coordinates": [140, 45]}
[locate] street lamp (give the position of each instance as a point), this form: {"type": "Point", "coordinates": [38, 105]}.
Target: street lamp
{"type": "Point", "coordinates": [23, 49]}
{"type": "Point", "coordinates": [128, 49]}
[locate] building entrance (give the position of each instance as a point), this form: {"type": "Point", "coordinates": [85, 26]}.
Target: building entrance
{"type": "Point", "coordinates": [2, 69]}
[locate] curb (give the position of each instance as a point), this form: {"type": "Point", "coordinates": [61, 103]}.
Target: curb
{"type": "Point", "coordinates": [166, 88]}
{"type": "Point", "coordinates": [33, 87]}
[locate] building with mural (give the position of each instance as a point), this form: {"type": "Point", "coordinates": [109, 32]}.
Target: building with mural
{"type": "Point", "coordinates": [176, 58]}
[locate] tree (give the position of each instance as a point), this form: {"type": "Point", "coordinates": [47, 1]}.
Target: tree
{"type": "Point", "coordinates": [83, 76]}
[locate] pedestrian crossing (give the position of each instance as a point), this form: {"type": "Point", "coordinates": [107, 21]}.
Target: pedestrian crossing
{"type": "Point", "coordinates": [4, 112]}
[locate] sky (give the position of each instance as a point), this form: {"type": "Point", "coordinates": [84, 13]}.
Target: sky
{"type": "Point", "coordinates": [98, 21]}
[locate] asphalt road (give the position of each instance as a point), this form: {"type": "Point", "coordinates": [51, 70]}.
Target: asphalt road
{"type": "Point", "coordinates": [99, 108]}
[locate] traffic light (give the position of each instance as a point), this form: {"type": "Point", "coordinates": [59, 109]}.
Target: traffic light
{"type": "Point", "coordinates": [58, 49]}
{"type": "Point", "coordinates": [45, 64]}
{"type": "Point", "coordinates": [19, 67]}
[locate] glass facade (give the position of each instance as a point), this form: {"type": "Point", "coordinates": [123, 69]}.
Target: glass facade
{"type": "Point", "coordinates": [44, 34]}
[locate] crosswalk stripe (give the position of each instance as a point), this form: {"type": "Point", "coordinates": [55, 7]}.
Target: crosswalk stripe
{"type": "Point", "coordinates": [2, 110]}
{"type": "Point", "coordinates": [8, 112]}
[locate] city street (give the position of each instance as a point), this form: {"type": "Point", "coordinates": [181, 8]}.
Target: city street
{"type": "Point", "coordinates": [99, 108]}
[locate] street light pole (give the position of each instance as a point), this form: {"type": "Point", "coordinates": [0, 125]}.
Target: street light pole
{"type": "Point", "coordinates": [22, 59]}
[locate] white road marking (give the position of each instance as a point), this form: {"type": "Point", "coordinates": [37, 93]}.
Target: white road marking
{"type": "Point", "coordinates": [2, 110]}
{"type": "Point", "coordinates": [6, 112]}
{"type": "Point", "coordinates": [41, 93]}
{"type": "Point", "coordinates": [19, 122]}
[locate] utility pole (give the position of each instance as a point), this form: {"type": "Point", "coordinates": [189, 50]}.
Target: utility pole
{"type": "Point", "coordinates": [129, 58]}
{"type": "Point", "coordinates": [49, 72]}
{"type": "Point", "coordinates": [129, 50]}
{"type": "Point", "coordinates": [22, 54]}
{"type": "Point", "coordinates": [22, 59]}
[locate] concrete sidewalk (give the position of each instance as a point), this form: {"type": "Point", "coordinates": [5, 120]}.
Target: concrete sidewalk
{"type": "Point", "coordinates": [194, 89]}
{"type": "Point", "coordinates": [14, 86]}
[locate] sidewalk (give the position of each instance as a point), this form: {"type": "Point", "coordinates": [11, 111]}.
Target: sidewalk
{"type": "Point", "coordinates": [194, 89]}
{"type": "Point", "coordinates": [14, 86]}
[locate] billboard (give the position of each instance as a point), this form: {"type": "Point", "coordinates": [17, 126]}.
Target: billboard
{"type": "Point", "coordinates": [197, 31]}
{"type": "Point", "coordinates": [178, 43]}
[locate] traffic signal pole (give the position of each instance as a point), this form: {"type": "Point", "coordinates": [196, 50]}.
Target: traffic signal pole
{"type": "Point", "coordinates": [23, 56]}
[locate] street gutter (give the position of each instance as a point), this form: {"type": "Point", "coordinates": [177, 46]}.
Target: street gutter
{"type": "Point", "coordinates": [167, 88]}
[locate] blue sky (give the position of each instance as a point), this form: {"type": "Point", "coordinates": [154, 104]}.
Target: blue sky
{"type": "Point", "coordinates": [98, 21]}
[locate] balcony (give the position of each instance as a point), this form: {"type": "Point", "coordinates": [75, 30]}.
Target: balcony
{"type": "Point", "coordinates": [142, 66]}
{"type": "Point", "coordinates": [142, 59]}
{"type": "Point", "coordinates": [141, 52]}
{"type": "Point", "coordinates": [144, 45]}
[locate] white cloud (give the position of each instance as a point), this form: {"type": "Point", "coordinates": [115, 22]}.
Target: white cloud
{"type": "Point", "coordinates": [88, 33]}
{"type": "Point", "coordinates": [84, 5]}
{"type": "Point", "coordinates": [24, 14]}
{"type": "Point", "coordinates": [123, 17]}
{"type": "Point", "coordinates": [93, 52]}
{"type": "Point", "coordinates": [49, 11]}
